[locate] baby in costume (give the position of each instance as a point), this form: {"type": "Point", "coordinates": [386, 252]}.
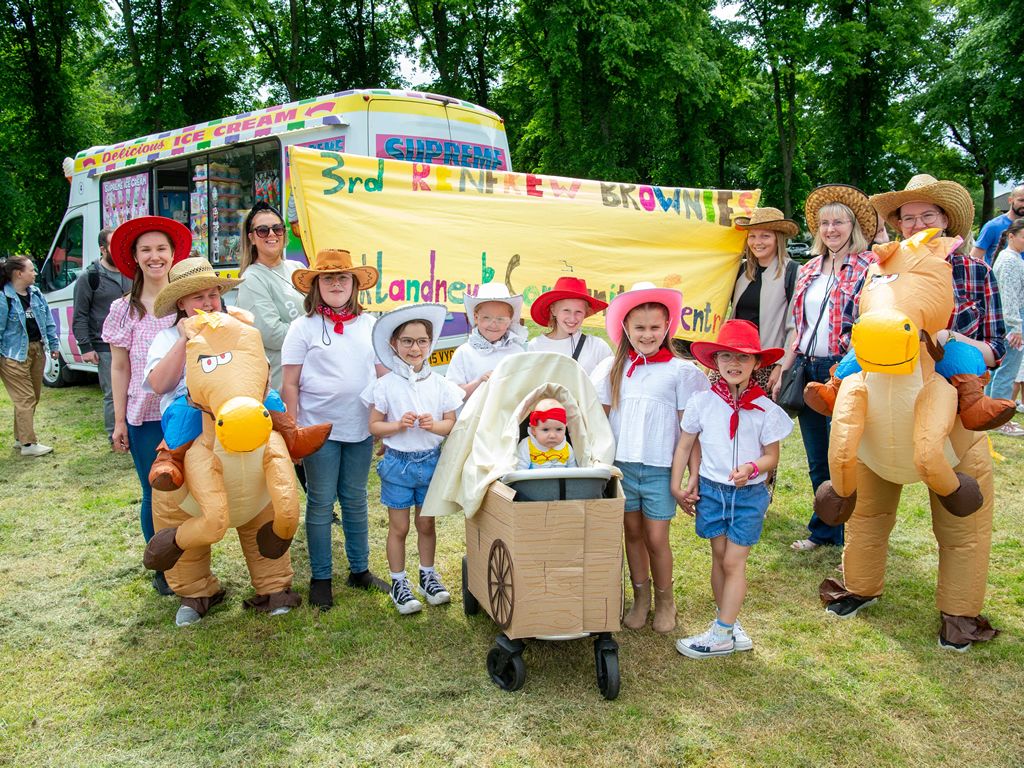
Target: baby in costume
{"type": "Point", "coordinates": [545, 446]}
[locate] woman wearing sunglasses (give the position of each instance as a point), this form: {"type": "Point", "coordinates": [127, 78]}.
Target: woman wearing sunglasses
{"type": "Point", "coordinates": [268, 291]}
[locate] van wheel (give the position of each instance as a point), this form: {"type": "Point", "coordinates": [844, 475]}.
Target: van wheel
{"type": "Point", "coordinates": [57, 375]}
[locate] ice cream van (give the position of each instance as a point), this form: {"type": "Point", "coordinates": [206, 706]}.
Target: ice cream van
{"type": "Point", "coordinates": [207, 176]}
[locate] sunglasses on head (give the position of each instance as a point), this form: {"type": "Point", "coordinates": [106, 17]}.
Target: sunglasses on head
{"type": "Point", "coordinates": [263, 231]}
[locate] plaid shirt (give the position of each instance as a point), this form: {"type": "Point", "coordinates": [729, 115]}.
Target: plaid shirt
{"type": "Point", "coordinates": [977, 310]}
{"type": "Point", "coordinates": [851, 279]}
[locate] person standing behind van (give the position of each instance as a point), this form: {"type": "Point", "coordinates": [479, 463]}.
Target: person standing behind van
{"type": "Point", "coordinates": [96, 288]}
{"type": "Point", "coordinates": [268, 291]}
{"type": "Point", "coordinates": [25, 321]}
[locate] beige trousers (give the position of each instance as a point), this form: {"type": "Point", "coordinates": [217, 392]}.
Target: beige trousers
{"type": "Point", "coordinates": [24, 383]}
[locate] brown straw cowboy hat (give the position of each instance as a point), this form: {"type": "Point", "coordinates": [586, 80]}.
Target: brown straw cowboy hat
{"type": "Point", "coordinates": [853, 198]}
{"type": "Point", "coordinates": [951, 197]}
{"type": "Point", "coordinates": [767, 218]}
{"type": "Point", "coordinates": [186, 277]}
{"type": "Point", "coordinates": [334, 260]}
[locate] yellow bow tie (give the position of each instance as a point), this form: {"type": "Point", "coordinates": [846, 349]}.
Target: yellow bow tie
{"type": "Point", "coordinates": [553, 456]}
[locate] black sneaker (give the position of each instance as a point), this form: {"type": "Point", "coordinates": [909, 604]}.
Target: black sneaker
{"type": "Point", "coordinates": [321, 596]}
{"type": "Point", "coordinates": [947, 645]}
{"type": "Point", "coordinates": [367, 580]}
{"type": "Point", "coordinates": [401, 596]}
{"type": "Point", "coordinates": [847, 607]}
{"type": "Point", "coordinates": [160, 584]}
{"type": "Point", "coordinates": [432, 588]}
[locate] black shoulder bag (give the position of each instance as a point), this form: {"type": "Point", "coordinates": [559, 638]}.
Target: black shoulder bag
{"type": "Point", "coordinates": [791, 391]}
{"type": "Point", "coordinates": [579, 347]}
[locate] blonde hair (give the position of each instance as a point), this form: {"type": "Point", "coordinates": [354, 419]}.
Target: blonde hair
{"type": "Point", "coordinates": [858, 243]}
{"type": "Point", "coordinates": [622, 352]}
{"type": "Point", "coordinates": [781, 257]}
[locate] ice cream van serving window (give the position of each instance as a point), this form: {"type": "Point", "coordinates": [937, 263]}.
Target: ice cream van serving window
{"type": "Point", "coordinates": [210, 193]}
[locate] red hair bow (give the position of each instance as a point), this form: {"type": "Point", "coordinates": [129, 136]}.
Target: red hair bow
{"type": "Point", "coordinates": [558, 414]}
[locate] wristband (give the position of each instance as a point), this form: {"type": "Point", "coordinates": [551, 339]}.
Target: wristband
{"type": "Point", "coordinates": [756, 471]}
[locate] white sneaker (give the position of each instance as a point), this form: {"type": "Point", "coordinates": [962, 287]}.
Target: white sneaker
{"type": "Point", "coordinates": [401, 596]}
{"type": "Point", "coordinates": [741, 638]}
{"type": "Point", "coordinates": [1020, 407]}
{"type": "Point", "coordinates": [432, 589]}
{"type": "Point", "coordinates": [705, 645]}
{"type": "Point", "coordinates": [35, 449]}
{"type": "Point", "coordinates": [17, 445]}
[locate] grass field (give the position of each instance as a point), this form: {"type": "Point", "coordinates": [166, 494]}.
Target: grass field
{"type": "Point", "coordinates": [96, 674]}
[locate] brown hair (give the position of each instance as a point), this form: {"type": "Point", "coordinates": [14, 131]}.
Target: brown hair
{"type": "Point", "coordinates": [425, 323]}
{"type": "Point", "coordinates": [313, 300]}
{"type": "Point", "coordinates": [622, 353]}
{"type": "Point", "coordinates": [11, 265]}
{"type": "Point", "coordinates": [781, 257]}
{"type": "Point", "coordinates": [135, 294]}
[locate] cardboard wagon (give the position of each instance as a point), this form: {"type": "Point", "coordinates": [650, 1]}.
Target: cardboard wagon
{"type": "Point", "coordinates": [543, 546]}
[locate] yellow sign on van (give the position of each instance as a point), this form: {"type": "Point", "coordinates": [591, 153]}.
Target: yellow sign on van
{"type": "Point", "coordinates": [435, 233]}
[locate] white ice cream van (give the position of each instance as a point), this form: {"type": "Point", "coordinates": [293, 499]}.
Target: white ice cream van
{"type": "Point", "coordinates": [207, 176]}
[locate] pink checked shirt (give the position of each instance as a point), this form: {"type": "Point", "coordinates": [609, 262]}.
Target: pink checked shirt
{"type": "Point", "coordinates": [123, 329]}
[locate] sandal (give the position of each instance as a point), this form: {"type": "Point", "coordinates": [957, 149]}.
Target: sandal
{"type": "Point", "coordinates": [804, 545]}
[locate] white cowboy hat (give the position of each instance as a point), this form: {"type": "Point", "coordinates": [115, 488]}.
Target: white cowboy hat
{"type": "Point", "coordinates": [435, 314]}
{"type": "Point", "coordinates": [494, 292]}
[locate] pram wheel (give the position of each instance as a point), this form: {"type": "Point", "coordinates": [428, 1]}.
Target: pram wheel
{"type": "Point", "coordinates": [505, 663]}
{"type": "Point", "coordinates": [470, 605]}
{"type": "Point", "coordinates": [606, 663]}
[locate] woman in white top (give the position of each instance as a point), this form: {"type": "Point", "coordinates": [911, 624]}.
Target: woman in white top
{"type": "Point", "coordinates": [328, 360]}
{"type": "Point", "coordinates": [562, 310]}
{"type": "Point", "coordinates": [268, 291]}
{"type": "Point", "coordinates": [496, 333]}
{"type": "Point", "coordinates": [1009, 273]}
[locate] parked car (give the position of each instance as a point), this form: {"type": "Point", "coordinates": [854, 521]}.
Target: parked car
{"type": "Point", "coordinates": [798, 251]}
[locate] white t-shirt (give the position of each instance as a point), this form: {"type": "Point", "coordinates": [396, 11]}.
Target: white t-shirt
{"type": "Point", "coordinates": [336, 368]}
{"type": "Point", "coordinates": [523, 454]}
{"type": "Point", "coordinates": [470, 363]}
{"type": "Point", "coordinates": [162, 344]}
{"type": "Point", "coordinates": [708, 415]}
{"type": "Point", "coordinates": [594, 349]}
{"type": "Point", "coordinates": [646, 421]}
{"type": "Point", "coordinates": [815, 295]}
{"type": "Point", "coordinates": [395, 396]}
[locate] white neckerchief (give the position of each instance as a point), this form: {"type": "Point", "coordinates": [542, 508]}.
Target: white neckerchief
{"type": "Point", "coordinates": [511, 338]}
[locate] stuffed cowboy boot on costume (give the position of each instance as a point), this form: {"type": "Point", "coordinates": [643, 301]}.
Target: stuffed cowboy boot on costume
{"type": "Point", "coordinates": [821, 398]}
{"type": "Point", "coordinates": [978, 411]}
{"type": "Point", "coordinates": [168, 470]}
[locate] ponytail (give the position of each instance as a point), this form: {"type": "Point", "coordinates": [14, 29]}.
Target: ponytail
{"type": "Point", "coordinates": [11, 265]}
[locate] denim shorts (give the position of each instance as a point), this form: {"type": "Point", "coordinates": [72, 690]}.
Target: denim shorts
{"type": "Point", "coordinates": [405, 477]}
{"type": "Point", "coordinates": [647, 490]}
{"type": "Point", "coordinates": [737, 513]}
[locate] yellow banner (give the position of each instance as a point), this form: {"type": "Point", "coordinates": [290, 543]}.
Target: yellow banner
{"type": "Point", "coordinates": [436, 232]}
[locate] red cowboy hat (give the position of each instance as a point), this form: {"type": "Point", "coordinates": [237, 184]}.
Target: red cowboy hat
{"type": "Point", "coordinates": [565, 288]}
{"type": "Point", "coordinates": [735, 336]}
{"type": "Point", "coordinates": [123, 240]}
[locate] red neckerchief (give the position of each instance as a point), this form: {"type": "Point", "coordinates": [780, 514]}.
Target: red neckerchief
{"type": "Point", "coordinates": [746, 401]}
{"type": "Point", "coordinates": [663, 355]}
{"type": "Point", "coordinates": [558, 414]}
{"type": "Point", "coordinates": [337, 318]}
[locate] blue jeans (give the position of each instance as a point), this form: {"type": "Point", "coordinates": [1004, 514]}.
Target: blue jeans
{"type": "Point", "coordinates": [142, 443]}
{"type": "Point", "coordinates": [338, 471]}
{"type": "Point", "coordinates": [815, 430]}
{"type": "Point", "coordinates": [1001, 385]}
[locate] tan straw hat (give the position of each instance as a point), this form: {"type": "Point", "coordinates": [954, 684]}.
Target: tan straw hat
{"type": "Point", "coordinates": [334, 260]}
{"type": "Point", "coordinates": [853, 198]}
{"type": "Point", "coordinates": [768, 218]}
{"type": "Point", "coordinates": [951, 197]}
{"type": "Point", "coordinates": [186, 277]}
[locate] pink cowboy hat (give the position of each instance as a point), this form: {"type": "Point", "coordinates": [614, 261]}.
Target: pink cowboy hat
{"type": "Point", "coordinates": [735, 336]}
{"type": "Point", "coordinates": [642, 293]}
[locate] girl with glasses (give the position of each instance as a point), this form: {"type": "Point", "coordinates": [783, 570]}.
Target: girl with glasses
{"type": "Point", "coordinates": [268, 291]}
{"type": "Point", "coordinates": [496, 333]}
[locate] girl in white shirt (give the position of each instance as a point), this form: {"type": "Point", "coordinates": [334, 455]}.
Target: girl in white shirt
{"type": "Point", "coordinates": [562, 311]}
{"type": "Point", "coordinates": [412, 409]}
{"type": "Point", "coordinates": [739, 429]}
{"type": "Point", "coordinates": [496, 334]}
{"type": "Point", "coordinates": [644, 389]}
{"type": "Point", "coordinates": [327, 361]}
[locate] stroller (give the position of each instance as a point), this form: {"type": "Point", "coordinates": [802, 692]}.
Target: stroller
{"type": "Point", "coordinates": [543, 546]}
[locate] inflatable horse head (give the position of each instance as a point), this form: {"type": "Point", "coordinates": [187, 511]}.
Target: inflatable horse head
{"type": "Point", "coordinates": [907, 299]}
{"type": "Point", "coordinates": [227, 372]}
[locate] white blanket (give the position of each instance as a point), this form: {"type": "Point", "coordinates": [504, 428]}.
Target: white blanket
{"type": "Point", "coordinates": [482, 445]}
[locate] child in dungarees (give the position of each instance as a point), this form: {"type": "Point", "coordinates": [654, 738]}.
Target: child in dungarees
{"type": "Point", "coordinates": [739, 429]}
{"type": "Point", "coordinates": [644, 389]}
{"type": "Point", "coordinates": [412, 409]}
{"type": "Point", "coordinates": [545, 446]}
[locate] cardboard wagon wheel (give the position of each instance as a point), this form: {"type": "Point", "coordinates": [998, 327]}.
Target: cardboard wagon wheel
{"type": "Point", "coordinates": [500, 589]}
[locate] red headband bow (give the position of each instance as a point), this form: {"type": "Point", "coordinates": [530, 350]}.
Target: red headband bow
{"type": "Point", "coordinates": [558, 414]}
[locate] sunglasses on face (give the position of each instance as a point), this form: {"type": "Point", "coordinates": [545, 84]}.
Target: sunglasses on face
{"type": "Point", "coordinates": [263, 231]}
